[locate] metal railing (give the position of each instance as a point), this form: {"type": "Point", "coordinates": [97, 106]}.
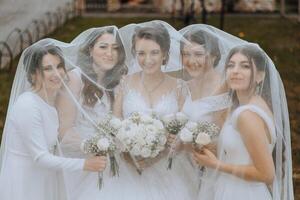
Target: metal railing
{"type": "Point", "coordinates": [19, 39]}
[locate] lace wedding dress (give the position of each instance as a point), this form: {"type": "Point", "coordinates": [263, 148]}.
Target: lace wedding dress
{"type": "Point", "coordinates": [156, 182]}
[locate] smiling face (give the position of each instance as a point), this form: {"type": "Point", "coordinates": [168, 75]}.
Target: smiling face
{"type": "Point", "coordinates": [194, 59]}
{"type": "Point", "coordinates": [104, 53]}
{"type": "Point", "coordinates": [50, 74]}
{"type": "Point", "coordinates": [239, 72]}
{"type": "Point", "coordinates": [149, 55]}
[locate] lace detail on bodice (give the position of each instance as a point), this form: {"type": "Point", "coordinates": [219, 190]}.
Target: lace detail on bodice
{"type": "Point", "coordinates": [200, 109]}
{"type": "Point", "coordinates": [134, 101]}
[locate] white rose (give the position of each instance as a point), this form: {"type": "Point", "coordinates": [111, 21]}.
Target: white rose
{"type": "Point", "coordinates": [182, 118]}
{"type": "Point", "coordinates": [140, 140]}
{"type": "Point", "coordinates": [136, 150]}
{"type": "Point", "coordinates": [191, 125]}
{"type": "Point", "coordinates": [162, 140]}
{"type": "Point", "coordinates": [168, 118]}
{"type": "Point", "coordinates": [186, 135]}
{"type": "Point", "coordinates": [103, 144]}
{"type": "Point", "coordinates": [145, 152]}
{"type": "Point", "coordinates": [203, 138]}
{"type": "Point", "coordinates": [116, 123]}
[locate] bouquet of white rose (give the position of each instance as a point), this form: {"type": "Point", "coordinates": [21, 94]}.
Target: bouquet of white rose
{"type": "Point", "coordinates": [142, 136]}
{"type": "Point", "coordinates": [199, 134]}
{"type": "Point", "coordinates": [173, 124]}
{"type": "Point", "coordinates": [99, 146]}
{"type": "Point", "coordinates": [102, 144]}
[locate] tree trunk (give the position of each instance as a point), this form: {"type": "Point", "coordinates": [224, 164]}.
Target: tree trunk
{"type": "Point", "coordinates": [222, 17]}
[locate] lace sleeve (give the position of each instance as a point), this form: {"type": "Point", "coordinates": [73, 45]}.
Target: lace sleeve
{"type": "Point", "coordinates": [219, 102]}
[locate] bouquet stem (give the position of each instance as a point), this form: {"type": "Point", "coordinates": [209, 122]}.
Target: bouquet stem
{"type": "Point", "coordinates": [172, 153]}
{"type": "Point", "coordinates": [100, 180]}
{"type": "Point", "coordinates": [114, 167]}
{"type": "Point", "coordinates": [170, 162]}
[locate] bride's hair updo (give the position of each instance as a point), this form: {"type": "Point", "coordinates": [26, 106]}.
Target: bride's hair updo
{"type": "Point", "coordinates": [155, 32]}
{"type": "Point", "coordinates": [257, 58]}
{"type": "Point", "coordinates": [92, 92]}
{"type": "Point", "coordinates": [33, 57]}
{"type": "Point", "coordinates": [208, 40]}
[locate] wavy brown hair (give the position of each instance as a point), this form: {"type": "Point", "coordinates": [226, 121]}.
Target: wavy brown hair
{"type": "Point", "coordinates": [91, 92]}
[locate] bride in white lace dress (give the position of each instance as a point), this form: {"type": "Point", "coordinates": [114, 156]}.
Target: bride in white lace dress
{"type": "Point", "coordinates": [257, 127]}
{"type": "Point", "coordinates": [152, 91]}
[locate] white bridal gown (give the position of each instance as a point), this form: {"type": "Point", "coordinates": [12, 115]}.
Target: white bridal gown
{"type": "Point", "coordinates": [30, 170]}
{"type": "Point", "coordinates": [234, 151]}
{"type": "Point", "coordinates": [156, 182]}
{"type": "Point", "coordinates": [84, 185]}
{"type": "Point", "coordinates": [201, 110]}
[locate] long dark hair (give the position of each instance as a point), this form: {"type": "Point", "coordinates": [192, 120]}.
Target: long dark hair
{"type": "Point", "coordinates": [33, 57]}
{"type": "Point", "coordinates": [258, 57]}
{"type": "Point", "coordinates": [92, 92]}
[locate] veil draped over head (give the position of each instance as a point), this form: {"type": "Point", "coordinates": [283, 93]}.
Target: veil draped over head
{"type": "Point", "coordinates": [128, 32]}
{"type": "Point", "coordinates": [24, 79]}
{"type": "Point", "coordinates": [97, 60]}
{"type": "Point", "coordinates": [218, 45]}
{"type": "Point", "coordinates": [28, 137]}
{"type": "Point", "coordinates": [94, 64]}
{"type": "Point", "coordinates": [267, 85]}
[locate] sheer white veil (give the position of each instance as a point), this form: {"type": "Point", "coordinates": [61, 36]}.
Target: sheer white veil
{"type": "Point", "coordinates": [87, 95]}
{"type": "Point", "coordinates": [23, 81]}
{"type": "Point", "coordinates": [214, 40]}
{"type": "Point", "coordinates": [282, 153]}
{"type": "Point", "coordinates": [271, 90]}
{"type": "Point", "coordinates": [127, 33]}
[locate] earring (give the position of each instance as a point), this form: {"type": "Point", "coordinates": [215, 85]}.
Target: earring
{"type": "Point", "coordinates": [257, 89]}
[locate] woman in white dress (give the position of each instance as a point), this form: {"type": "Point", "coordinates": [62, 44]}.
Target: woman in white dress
{"type": "Point", "coordinates": [201, 51]}
{"type": "Point", "coordinates": [257, 122]}
{"type": "Point", "coordinates": [29, 167]}
{"type": "Point", "coordinates": [148, 91]}
{"type": "Point", "coordinates": [99, 67]}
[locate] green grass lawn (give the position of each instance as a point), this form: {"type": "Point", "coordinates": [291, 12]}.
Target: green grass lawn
{"type": "Point", "coordinates": [280, 38]}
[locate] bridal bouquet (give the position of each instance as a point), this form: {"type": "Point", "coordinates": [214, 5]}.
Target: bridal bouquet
{"type": "Point", "coordinates": [142, 136]}
{"type": "Point", "coordinates": [102, 144]}
{"type": "Point", "coordinates": [99, 146]}
{"type": "Point", "coordinates": [173, 124]}
{"type": "Point", "coordinates": [199, 134]}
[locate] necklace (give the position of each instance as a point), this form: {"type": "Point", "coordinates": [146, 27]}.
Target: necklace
{"type": "Point", "coordinates": [149, 92]}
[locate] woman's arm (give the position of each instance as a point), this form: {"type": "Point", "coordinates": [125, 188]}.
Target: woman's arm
{"type": "Point", "coordinates": [255, 137]}
{"type": "Point", "coordinates": [31, 126]}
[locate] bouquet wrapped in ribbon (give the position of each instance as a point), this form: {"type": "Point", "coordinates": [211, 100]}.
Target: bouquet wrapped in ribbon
{"type": "Point", "coordinates": [173, 124]}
